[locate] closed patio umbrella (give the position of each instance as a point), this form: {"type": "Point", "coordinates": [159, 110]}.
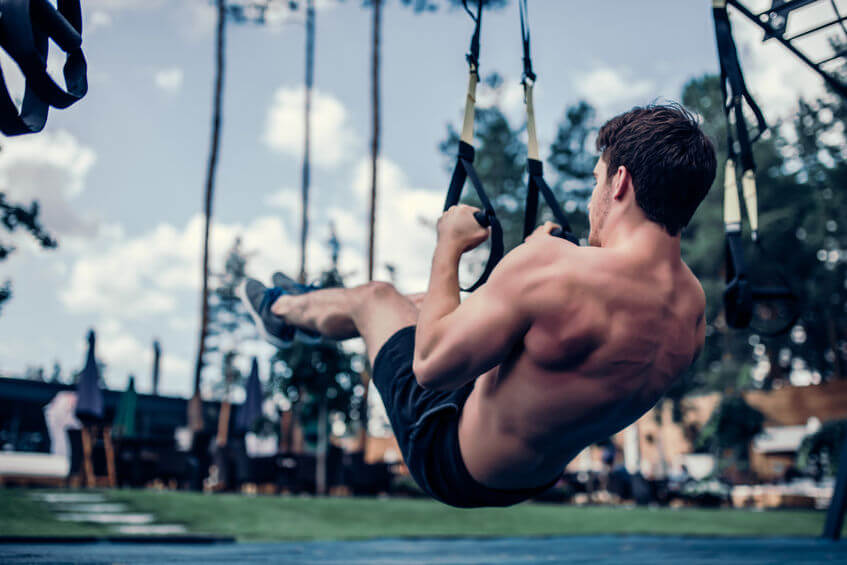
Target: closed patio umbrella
{"type": "Point", "coordinates": [89, 403]}
{"type": "Point", "coordinates": [251, 410]}
{"type": "Point", "coordinates": [124, 424]}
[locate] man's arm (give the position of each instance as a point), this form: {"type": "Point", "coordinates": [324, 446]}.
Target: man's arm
{"type": "Point", "coordinates": [456, 342]}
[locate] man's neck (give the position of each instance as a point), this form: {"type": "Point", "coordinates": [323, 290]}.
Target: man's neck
{"type": "Point", "coordinates": [643, 237]}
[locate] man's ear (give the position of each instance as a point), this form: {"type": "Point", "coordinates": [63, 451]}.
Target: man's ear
{"type": "Point", "coordinates": [621, 183]}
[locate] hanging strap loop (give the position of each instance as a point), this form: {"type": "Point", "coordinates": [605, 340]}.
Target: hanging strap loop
{"type": "Point", "coordinates": [464, 168]}
{"type": "Point", "coordinates": [26, 26]}
{"type": "Point", "coordinates": [28, 45]}
{"type": "Point", "coordinates": [535, 169]}
{"type": "Point", "coordinates": [741, 296]}
{"type": "Point", "coordinates": [473, 51]}
{"type": "Point", "coordinates": [463, 171]}
{"type": "Point", "coordinates": [528, 74]}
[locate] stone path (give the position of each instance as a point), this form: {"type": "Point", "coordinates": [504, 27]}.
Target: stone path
{"type": "Point", "coordinates": [590, 550]}
{"type": "Point", "coordinates": [94, 508]}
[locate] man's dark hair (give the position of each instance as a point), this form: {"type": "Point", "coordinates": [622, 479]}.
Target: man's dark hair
{"type": "Point", "coordinates": [671, 160]}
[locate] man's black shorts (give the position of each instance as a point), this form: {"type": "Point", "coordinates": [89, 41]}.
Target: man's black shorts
{"type": "Point", "coordinates": [426, 425]}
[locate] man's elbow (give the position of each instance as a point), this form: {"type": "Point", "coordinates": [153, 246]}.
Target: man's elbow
{"type": "Point", "coordinates": [423, 374]}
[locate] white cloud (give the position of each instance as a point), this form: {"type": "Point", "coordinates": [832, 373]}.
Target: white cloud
{"type": "Point", "coordinates": [508, 96]}
{"type": "Point", "coordinates": [333, 139]}
{"type": "Point", "coordinates": [153, 273]}
{"type": "Point", "coordinates": [401, 239]}
{"type": "Point", "coordinates": [286, 199]}
{"type": "Point", "coordinates": [609, 88]}
{"type": "Point", "coordinates": [51, 168]}
{"type": "Point", "coordinates": [169, 80]}
{"type": "Point", "coordinates": [124, 354]}
{"type": "Point", "coordinates": [98, 19]}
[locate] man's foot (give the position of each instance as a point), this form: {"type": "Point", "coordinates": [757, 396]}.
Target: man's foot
{"type": "Point", "coordinates": [258, 300]}
{"type": "Point", "coordinates": [290, 286]}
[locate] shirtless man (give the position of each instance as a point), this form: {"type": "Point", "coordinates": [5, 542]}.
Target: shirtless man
{"type": "Point", "coordinates": [490, 398]}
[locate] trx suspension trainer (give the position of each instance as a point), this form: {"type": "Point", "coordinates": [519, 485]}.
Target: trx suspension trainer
{"type": "Point", "coordinates": [464, 168]}
{"type": "Point", "coordinates": [741, 296]}
{"type": "Point", "coordinates": [534, 166]}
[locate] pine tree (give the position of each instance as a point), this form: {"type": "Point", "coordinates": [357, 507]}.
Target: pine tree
{"type": "Point", "coordinates": [14, 216]}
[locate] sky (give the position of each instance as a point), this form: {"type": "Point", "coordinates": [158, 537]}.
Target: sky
{"type": "Point", "coordinates": [120, 175]}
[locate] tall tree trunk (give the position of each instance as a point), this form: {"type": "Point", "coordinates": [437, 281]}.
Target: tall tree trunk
{"type": "Point", "coordinates": [195, 413]}
{"type": "Point", "coordinates": [375, 109]}
{"type": "Point", "coordinates": [157, 355]}
{"type": "Point", "coordinates": [310, 77]}
{"type": "Point", "coordinates": [377, 22]}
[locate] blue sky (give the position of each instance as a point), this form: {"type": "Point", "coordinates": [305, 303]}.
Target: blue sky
{"type": "Point", "coordinates": [120, 174]}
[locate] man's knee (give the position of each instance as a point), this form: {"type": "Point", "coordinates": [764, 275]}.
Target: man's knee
{"type": "Point", "coordinates": [372, 293]}
{"type": "Point", "coordinates": [379, 290]}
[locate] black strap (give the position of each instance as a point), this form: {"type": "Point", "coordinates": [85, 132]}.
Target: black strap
{"type": "Point", "coordinates": [735, 93]}
{"type": "Point", "coordinates": [538, 184]}
{"type": "Point", "coordinates": [527, 60]}
{"type": "Point", "coordinates": [31, 117]}
{"type": "Point", "coordinates": [740, 294]}
{"type": "Point", "coordinates": [26, 26]}
{"type": "Point", "coordinates": [465, 170]}
{"type": "Point", "coordinates": [473, 52]}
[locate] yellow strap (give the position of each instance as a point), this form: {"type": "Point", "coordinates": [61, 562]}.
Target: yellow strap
{"type": "Point", "coordinates": [532, 141]}
{"type": "Point", "coordinates": [467, 124]}
{"type": "Point", "coordinates": [718, 3]}
{"type": "Point", "coordinates": [731, 204]}
{"type": "Point", "coordinates": [748, 188]}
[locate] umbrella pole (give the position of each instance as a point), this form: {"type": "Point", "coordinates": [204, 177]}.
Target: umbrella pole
{"type": "Point", "coordinates": [89, 433]}
{"type": "Point", "coordinates": [110, 456]}
{"type": "Point", "coordinates": [88, 466]}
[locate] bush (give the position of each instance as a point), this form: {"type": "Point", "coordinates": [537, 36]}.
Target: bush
{"type": "Point", "coordinates": [731, 428]}
{"type": "Point", "coordinates": [820, 452]}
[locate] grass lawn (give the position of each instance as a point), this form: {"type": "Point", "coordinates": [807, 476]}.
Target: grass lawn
{"type": "Point", "coordinates": [20, 515]}
{"type": "Point", "coordinates": [274, 518]}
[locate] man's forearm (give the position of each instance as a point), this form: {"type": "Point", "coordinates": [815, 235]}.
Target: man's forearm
{"type": "Point", "coordinates": [442, 298]}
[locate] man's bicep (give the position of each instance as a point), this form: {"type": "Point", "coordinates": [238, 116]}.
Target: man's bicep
{"type": "Point", "coordinates": [481, 332]}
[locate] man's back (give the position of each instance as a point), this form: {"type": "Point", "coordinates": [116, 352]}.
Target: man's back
{"type": "Point", "coordinates": [611, 329]}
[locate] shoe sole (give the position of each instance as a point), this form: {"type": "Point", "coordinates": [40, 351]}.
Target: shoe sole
{"type": "Point", "coordinates": [241, 291]}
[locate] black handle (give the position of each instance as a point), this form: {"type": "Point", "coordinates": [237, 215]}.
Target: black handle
{"type": "Point", "coordinates": [482, 219]}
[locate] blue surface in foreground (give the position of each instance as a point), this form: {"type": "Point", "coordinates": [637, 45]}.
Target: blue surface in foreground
{"type": "Point", "coordinates": [594, 550]}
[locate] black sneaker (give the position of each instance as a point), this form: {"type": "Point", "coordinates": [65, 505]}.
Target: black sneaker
{"type": "Point", "coordinates": [290, 286]}
{"type": "Point", "coordinates": [258, 300]}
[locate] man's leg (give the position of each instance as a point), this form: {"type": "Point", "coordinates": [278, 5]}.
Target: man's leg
{"type": "Point", "coordinates": [375, 311]}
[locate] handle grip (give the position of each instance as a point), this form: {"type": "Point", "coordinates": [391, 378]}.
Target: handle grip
{"type": "Point", "coordinates": [482, 219]}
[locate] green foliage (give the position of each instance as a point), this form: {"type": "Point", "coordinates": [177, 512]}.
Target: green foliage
{"type": "Point", "coordinates": [227, 317]}
{"type": "Point", "coordinates": [802, 215]}
{"type": "Point", "coordinates": [572, 156]}
{"type": "Point", "coordinates": [820, 453]}
{"type": "Point", "coordinates": [433, 5]}
{"type": "Point", "coordinates": [14, 216]}
{"type": "Point", "coordinates": [730, 429]}
{"type": "Point", "coordinates": [309, 374]}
